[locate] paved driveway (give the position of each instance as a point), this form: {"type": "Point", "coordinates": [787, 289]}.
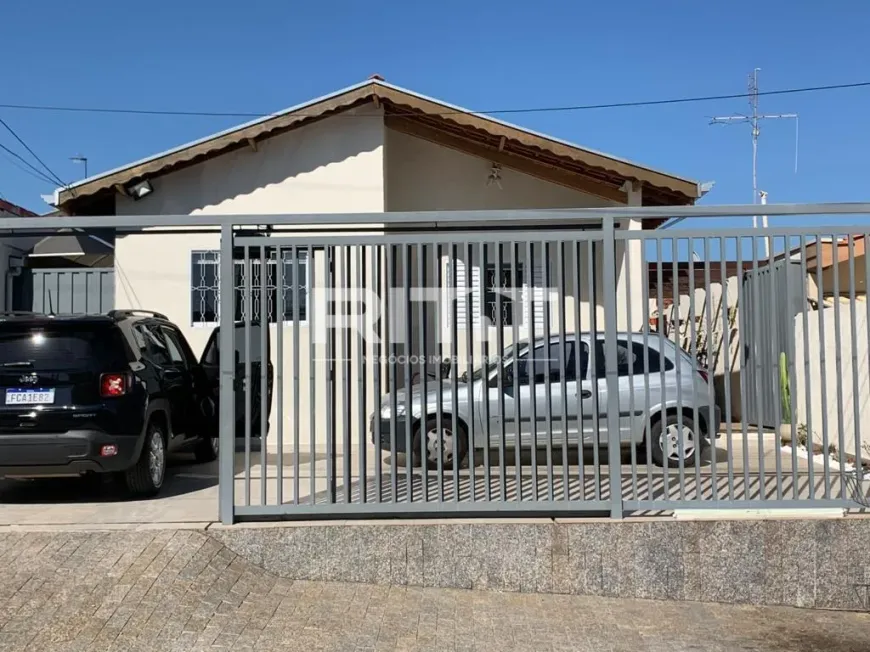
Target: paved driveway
{"type": "Point", "coordinates": [182, 590]}
{"type": "Point", "coordinates": [189, 495]}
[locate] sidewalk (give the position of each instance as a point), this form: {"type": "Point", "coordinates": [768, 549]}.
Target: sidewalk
{"type": "Point", "coordinates": [182, 590]}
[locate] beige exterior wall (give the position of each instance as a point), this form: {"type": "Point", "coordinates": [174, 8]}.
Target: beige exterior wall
{"type": "Point", "coordinates": [813, 387]}
{"type": "Point", "coordinates": [336, 165]}
{"type": "Point", "coordinates": [425, 176]}
{"type": "Point", "coordinates": [327, 167]}
{"type": "Point", "coordinates": [841, 275]}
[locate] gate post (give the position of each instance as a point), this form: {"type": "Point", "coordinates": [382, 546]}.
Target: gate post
{"type": "Point", "coordinates": [226, 409]}
{"type": "Point", "coordinates": [608, 286]}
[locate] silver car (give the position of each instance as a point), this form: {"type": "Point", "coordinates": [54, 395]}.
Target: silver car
{"type": "Point", "coordinates": [501, 401]}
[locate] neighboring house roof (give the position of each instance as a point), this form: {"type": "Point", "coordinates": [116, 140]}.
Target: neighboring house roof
{"type": "Point", "coordinates": [406, 111]}
{"type": "Point", "coordinates": [685, 272]}
{"type": "Point", "coordinates": [821, 251]}
{"type": "Point", "coordinates": [8, 208]}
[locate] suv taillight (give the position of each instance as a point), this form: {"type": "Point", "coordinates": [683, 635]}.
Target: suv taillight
{"type": "Point", "coordinates": [112, 385]}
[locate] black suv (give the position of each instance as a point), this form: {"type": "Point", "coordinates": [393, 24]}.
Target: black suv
{"type": "Point", "coordinates": [112, 394]}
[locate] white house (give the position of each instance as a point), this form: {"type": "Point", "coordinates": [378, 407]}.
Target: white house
{"type": "Point", "coordinates": [372, 147]}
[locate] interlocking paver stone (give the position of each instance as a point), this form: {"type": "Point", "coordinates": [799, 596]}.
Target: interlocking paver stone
{"type": "Point", "coordinates": [182, 590]}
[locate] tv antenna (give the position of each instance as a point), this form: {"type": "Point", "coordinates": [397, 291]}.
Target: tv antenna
{"type": "Point", "coordinates": [753, 119]}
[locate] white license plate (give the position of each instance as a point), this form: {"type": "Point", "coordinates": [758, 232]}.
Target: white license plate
{"type": "Point", "coordinates": [29, 396]}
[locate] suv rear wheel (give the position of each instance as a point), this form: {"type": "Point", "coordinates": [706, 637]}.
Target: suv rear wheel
{"type": "Point", "coordinates": [145, 478]}
{"type": "Point", "coordinates": [207, 449]}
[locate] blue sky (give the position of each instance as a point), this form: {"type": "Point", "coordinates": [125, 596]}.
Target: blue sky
{"type": "Point", "coordinates": [261, 56]}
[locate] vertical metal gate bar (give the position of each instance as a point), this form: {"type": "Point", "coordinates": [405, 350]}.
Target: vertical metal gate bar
{"type": "Point", "coordinates": [265, 319]}
{"type": "Point", "coordinates": [331, 373]}
{"type": "Point", "coordinates": [612, 369]}
{"type": "Point", "coordinates": [359, 307]}
{"type": "Point", "coordinates": [407, 342]}
{"type": "Point", "coordinates": [581, 374]}
{"type": "Point", "coordinates": [727, 369]}
{"type": "Point", "coordinates": [424, 363]}
{"type": "Point", "coordinates": [808, 393]}
{"type": "Point", "coordinates": [248, 384]}
{"type": "Point", "coordinates": [279, 376]}
{"type": "Point", "coordinates": [853, 308]}
{"type": "Point", "coordinates": [390, 346]}
{"type": "Point", "coordinates": [499, 343]}
{"type": "Point", "coordinates": [677, 313]}
{"type": "Point", "coordinates": [820, 283]}
{"type": "Point", "coordinates": [744, 344]}
{"type": "Point", "coordinates": [515, 252]}
{"type": "Point", "coordinates": [838, 344]}
{"type": "Point", "coordinates": [312, 378]}
{"type": "Point", "coordinates": [660, 297]}
{"type": "Point", "coordinates": [647, 433]}
{"type": "Point", "coordinates": [693, 350]}
{"type": "Point", "coordinates": [346, 367]}
{"type": "Point", "coordinates": [774, 364]}
{"type": "Point", "coordinates": [758, 375]}
{"type": "Point", "coordinates": [791, 348]}
{"type": "Point", "coordinates": [593, 365]}
{"type": "Point", "coordinates": [563, 369]}
{"type": "Point", "coordinates": [469, 362]}
{"type": "Point", "coordinates": [439, 384]}
{"type": "Point", "coordinates": [295, 319]}
{"type": "Point", "coordinates": [859, 467]}
{"type": "Point", "coordinates": [711, 373]}
{"type": "Point", "coordinates": [377, 321]}
{"type": "Point", "coordinates": [548, 393]}
{"type": "Point", "coordinates": [631, 363]}
{"type": "Point", "coordinates": [454, 364]}
{"type": "Point", "coordinates": [531, 365]}
{"type": "Point", "coordinates": [227, 382]}
{"type": "Point", "coordinates": [484, 376]}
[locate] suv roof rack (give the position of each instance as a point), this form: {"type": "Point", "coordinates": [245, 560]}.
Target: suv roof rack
{"type": "Point", "coordinates": [130, 312]}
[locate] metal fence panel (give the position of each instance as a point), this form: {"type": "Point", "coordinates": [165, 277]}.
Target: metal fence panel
{"type": "Point", "coordinates": [83, 291]}
{"type": "Point", "coordinates": [547, 362]}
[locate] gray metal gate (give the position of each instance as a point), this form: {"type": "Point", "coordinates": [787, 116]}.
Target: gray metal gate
{"type": "Point", "coordinates": [772, 297]}
{"type": "Point", "coordinates": [70, 291]}
{"type": "Point", "coordinates": [350, 393]}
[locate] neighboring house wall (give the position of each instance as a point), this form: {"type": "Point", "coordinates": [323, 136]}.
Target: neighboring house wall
{"type": "Point", "coordinates": [817, 390]}
{"type": "Point", "coordinates": [840, 275]}
{"type": "Point", "coordinates": [715, 341]}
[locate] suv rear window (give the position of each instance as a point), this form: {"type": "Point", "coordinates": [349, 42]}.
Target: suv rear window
{"type": "Point", "coordinates": [60, 346]}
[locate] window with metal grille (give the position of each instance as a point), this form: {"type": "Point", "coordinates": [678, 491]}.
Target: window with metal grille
{"type": "Point", "coordinates": [505, 280]}
{"type": "Point", "coordinates": [263, 297]}
{"type": "Point", "coordinates": [497, 280]}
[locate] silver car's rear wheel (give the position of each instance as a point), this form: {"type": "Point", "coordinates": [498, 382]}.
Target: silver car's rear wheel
{"type": "Point", "coordinates": [673, 440]}
{"type": "Point", "coordinates": [442, 443]}
{"type": "Point", "coordinates": [677, 442]}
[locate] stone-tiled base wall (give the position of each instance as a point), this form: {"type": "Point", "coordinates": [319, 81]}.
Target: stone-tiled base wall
{"type": "Point", "coordinates": [805, 563]}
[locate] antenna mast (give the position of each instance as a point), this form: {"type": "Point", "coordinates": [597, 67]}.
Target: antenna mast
{"type": "Point", "coordinates": [753, 119]}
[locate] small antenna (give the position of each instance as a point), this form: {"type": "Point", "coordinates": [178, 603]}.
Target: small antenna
{"type": "Point", "coordinates": [753, 120]}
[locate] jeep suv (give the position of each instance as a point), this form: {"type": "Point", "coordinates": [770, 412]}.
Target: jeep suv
{"type": "Point", "coordinates": [105, 394]}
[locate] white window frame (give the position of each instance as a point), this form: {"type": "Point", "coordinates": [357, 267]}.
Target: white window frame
{"type": "Point", "coordinates": [214, 259]}
{"type": "Point", "coordinates": [456, 278]}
